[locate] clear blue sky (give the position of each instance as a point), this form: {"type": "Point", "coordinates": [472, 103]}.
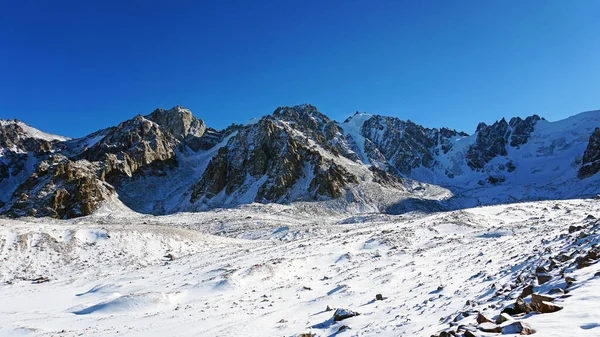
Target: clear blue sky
{"type": "Point", "coordinates": [74, 67]}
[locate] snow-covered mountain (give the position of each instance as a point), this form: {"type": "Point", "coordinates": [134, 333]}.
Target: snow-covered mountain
{"type": "Point", "coordinates": [170, 161]}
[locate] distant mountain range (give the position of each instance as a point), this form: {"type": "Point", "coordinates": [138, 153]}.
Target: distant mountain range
{"type": "Point", "coordinates": [170, 161]}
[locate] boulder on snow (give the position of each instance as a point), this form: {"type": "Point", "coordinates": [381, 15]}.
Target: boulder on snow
{"type": "Point", "coordinates": [342, 314]}
{"type": "Point", "coordinates": [520, 328]}
{"type": "Point", "coordinates": [547, 307]}
{"type": "Point", "coordinates": [543, 278]}
{"type": "Point", "coordinates": [503, 317]}
{"type": "Point", "coordinates": [538, 299]}
{"type": "Point", "coordinates": [527, 291]}
{"type": "Point", "coordinates": [489, 327]}
{"type": "Point", "coordinates": [557, 290]}
{"type": "Point", "coordinates": [379, 297]}
{"type": "Point", "coordinates": [482, 319]}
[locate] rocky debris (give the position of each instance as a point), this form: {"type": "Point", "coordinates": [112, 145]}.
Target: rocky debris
{"type": "Point", "coordinates": [170, 257]}
{"type": "Point", "coordinates": [503, 317]}
{"type": "Point", "coordinates": [528, 290]}
{"type": "Point", "coordinates": [489, 327]}
{"type": "Point", "coordinates": [591, 157]}
{"type": "Point", "coordinates": [482, 319]}
{"type": "Point", "coordinates": [520, 327]}
{"type": "Point", "coordinates": [573, 228]}
{"type": "Point", "coordinates": [557, 290]}
{"type": "Point", "coordinates": [343, 328]}
{"type": "Point", "coordinates": [342, 314]}
{"type": "Point", "coordinates": [539, 298]}
{"type": "Point", "coordinates": [41, 279]}
{"type": "Point", "coordinates": [543, 278]}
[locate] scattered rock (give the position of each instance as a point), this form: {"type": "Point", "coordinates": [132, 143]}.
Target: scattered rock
{"type": "Point", "coordinates": [537, 298]}
{"type": "Point", "coordinates": [282, 321]}
{"type": "Point", "coordinates": [504, 317]}
{"type": "Point", "coordinates": [482, 319]}
{"type": "Point", "coordinates": [541, 270]}
{"type": "Point", "coordinates": [169, 257]}
{"type": "Point", "coordinates": [527, 291]}
{"type": "Point", "coordinates": [556, 291]}
{"type": "Point", "coordinates": [547, 307]}
{"type": "Point", "coordinates": [521, 328]}
{"type": "Point", "coordinates": [468, 333]}
{"type": "Point", "coordinates": [522, 307]}
{"type": "Point", "coordinates": [342, 314]}
{"type": "Point", "coordinates": [328, 309]}
{"type": "Point", "coordinates": [379, 297]}
{"type": "Point", "coordinates": [343, 327]}
{"type": "Point", "coordinates": [573, 229]}
{"type": "Point", "coordinates": [489, 327]}
{"type": "Point", "coordinates": [543, 278]}
{"type": "Point", "coordinates": [41, 279]}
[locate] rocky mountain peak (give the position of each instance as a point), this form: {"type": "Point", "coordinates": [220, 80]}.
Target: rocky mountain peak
{"type": "Point", "coordinates": [178, 121]}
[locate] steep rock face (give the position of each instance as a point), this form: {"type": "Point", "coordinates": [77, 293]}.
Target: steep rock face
{"type": "Point", "coordinates": [60, 188]}
{"type": "Point", "coordinates": [404, 145]}
{"type": "Point", "coordinates": [265, 162]}
{"type": "Point", "coordinates": [492, 140]}
{"type": "Point", "coordinates": [307, 120]}
{"type": "Point", "coordinates": [17, 136]}
{"type": "Point", "coordinates": [179, 122]}
{"type": "Point", "coordinates": [591, 157]}
{"type": "Point", "coordinates": [130, 146]}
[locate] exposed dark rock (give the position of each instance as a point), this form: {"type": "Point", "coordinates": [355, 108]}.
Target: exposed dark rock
{"type": "Point", "coordinates": [521, 328]}
{"type": "Point", "coordinates": [342, 314]}
{"type": "Point", "coordinates": [179, 122]}
{"type": "Point", "coordinates": [543, 278]}
{"type": "Point", "coordinates": [591, 157]}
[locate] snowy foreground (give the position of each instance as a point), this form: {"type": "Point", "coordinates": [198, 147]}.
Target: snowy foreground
{"type": "Point", "coordinates": [272, 270]}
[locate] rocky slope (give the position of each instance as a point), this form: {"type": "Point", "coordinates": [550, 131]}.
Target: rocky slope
{"type": "Point", "coordinates": [170, 161]}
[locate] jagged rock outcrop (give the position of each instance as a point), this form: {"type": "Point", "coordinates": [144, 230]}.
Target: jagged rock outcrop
{"type": "Point", "coordinates": [492, 139]}
{"type": "Point", "coordinates": [17, 136]}
{"type": "Point", "coordinates": [60, 188]}
{"type": "Point", "coordinates": [295, 154]}
{"type": "Point", "coordinates": [591, 157]}
{"type": "Point", "coordinates": [179, 122]}
{"type": "Point", "coordinates": [130, 146]}
{"type": "Point", "coordinates": [404, 144]}
{"type": "Point", "coordinates": [265, 161]}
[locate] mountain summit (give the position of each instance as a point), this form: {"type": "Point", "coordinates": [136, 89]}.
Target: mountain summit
{"type": "Point", "coordinates": [170, 161]}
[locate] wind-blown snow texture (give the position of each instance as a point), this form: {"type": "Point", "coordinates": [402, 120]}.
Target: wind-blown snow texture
{"type": "Point", "coordinates": [274, 270]}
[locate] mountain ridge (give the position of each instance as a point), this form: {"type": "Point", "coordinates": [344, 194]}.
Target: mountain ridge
{"type": "Point", "coordinates": [171, 161]}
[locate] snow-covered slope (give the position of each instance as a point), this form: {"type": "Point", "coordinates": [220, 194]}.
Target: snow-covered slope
{"type": "Point", "coordinates": [274, 270]}
{"type": "Point", "coordinates": [28, 131]}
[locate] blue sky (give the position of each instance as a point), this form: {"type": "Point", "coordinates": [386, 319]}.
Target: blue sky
{"type": "Point", "coordinates": [74, 67]}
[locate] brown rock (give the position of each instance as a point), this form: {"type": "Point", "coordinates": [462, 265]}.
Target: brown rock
{"type": "Point", "coordinates": [543, 278]}
{"type": "Point", "coordinates": [538, 299]}
{"type": "Point", "coordinates": [503, 317]}
{"type": "Point", "coordinates": [521, 328]}
{"type": "Point", "coordinates": [482, 319]}
{"type": "Point", "coordinates": [527, 291]}
{"type": "Point", "coordinates": [547, 307]}
{"type": "Point", "coordinates": [489, 327]}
